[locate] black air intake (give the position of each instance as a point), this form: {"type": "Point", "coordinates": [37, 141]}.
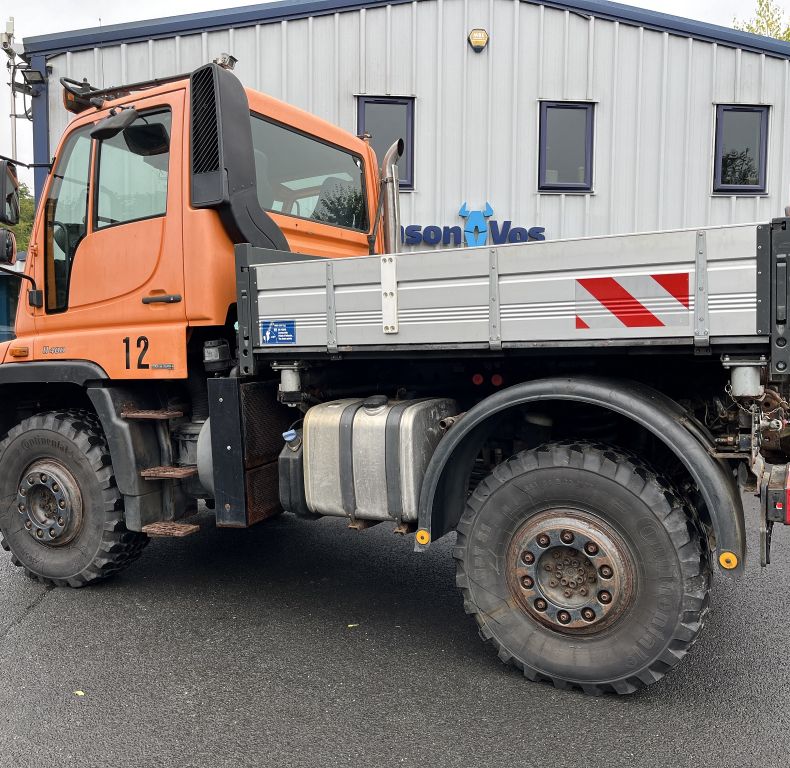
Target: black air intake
{"type": "Point", "coordinates": [205, 136]}
{"type": "Point", "coordinates": [222, 161]}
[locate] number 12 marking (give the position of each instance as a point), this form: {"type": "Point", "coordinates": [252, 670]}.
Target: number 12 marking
{"type": "Point", "coordinates": [142, 345]}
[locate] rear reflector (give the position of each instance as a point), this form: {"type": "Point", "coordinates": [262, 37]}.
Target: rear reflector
{"type": "Point", "coordinates": [777, 501]}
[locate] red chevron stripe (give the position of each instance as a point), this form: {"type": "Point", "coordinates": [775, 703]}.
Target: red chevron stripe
{"type": "Point", "coordinates": [675, 284]}
{"type": "Point", "coordinates": [625, 307]}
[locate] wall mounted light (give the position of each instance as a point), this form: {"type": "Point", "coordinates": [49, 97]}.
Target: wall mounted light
{"type": "Point", "coordinates": [478, 39]}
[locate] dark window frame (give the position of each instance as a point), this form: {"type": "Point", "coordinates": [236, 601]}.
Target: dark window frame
{"type": "Point", "coordinates": [346, 150]}
{"type": "Point", "coordinates": [762, 170]}
{"type": "Point", "coordinates": [407, 180]}
{"type": "Point", "coordinates": [95, 226]}
{"type": "Point", "coordinates": [589, 129]}
{"type": "Point", "coordinates": [83, 130]}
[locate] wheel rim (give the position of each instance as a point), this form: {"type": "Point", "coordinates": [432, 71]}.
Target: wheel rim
{"type": "Point", "coordinates": [50, 503]}
{"type": "Point", "coordinates": [571, 571]}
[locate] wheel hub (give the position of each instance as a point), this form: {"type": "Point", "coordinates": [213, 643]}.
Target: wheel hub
{"type": "Point", "coordinates": [49, 501]}
{"type": "Point", "coordinates": [571, 571]}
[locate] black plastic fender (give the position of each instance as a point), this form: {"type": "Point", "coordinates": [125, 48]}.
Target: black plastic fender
{"type": "Point", "coordinates": [443, 493]}
{"type": "Point", "coordinates": [133, 446]}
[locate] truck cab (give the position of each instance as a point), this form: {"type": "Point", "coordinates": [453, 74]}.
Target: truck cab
{"type": "Point", "coordinates": [116, 212]}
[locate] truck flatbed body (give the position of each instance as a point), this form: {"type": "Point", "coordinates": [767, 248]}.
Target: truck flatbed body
{"type": "Point", "coordinates": [683, 287]}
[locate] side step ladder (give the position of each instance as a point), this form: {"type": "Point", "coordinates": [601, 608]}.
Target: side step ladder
{"type": "Point", "coordinates": [169, 473]}
{"type": "Point", "coordinates": [162, 414]}
{"type": "Point", "coordinates": [176, 530]}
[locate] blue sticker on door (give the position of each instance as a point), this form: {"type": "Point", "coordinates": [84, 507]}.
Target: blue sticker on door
{"type": "Point", "coordinates": [278, 332]}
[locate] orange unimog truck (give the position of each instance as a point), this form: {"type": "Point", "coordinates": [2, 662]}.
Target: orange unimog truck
{"type": "Point", "coordinates": [215, 308]}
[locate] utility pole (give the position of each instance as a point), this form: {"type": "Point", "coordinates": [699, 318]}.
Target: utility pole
{"type": "Point", "coordinates": [7, 41]}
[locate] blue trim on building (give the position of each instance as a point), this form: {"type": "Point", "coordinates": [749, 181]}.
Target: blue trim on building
{"type": "Point", "coordinates": [294, 9]}
{"type": "Point", "coordinates": [40, 106]}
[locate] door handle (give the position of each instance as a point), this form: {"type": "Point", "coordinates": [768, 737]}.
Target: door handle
{"type": "Point", "coordinates": [162, 298]}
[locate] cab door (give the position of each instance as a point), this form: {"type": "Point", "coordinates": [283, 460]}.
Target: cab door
{"type": "Point", "coordinates": [113, 269]}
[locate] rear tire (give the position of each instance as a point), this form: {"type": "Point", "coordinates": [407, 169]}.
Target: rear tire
{"type": "Point", "coordinates": [583, 567]}
{"type": "Point", "coordinates": [61, 514]}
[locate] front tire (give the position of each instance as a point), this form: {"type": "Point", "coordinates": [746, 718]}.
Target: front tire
{"type": "Point", "coordinates": [61, 514]}
{"type": "Point", "coordinates": [583, 567]}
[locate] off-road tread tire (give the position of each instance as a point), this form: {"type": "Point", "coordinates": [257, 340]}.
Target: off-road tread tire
{"type": "Point", "coordinates": [680, 520]}
{"type": "Point", "coordinates": [119, 546]}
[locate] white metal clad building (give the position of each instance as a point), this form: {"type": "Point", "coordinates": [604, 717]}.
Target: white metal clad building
{"type": "Point", "coordinates": [582, 118]}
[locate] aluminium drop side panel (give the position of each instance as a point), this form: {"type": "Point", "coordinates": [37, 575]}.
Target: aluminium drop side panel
{"type": "Point", "coordinates": [638, 287]}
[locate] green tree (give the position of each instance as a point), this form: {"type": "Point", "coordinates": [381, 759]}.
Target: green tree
{"type": "Point", "coordinates": [768, 20]}
{"type": "Point", "coordinates": [27, 210]}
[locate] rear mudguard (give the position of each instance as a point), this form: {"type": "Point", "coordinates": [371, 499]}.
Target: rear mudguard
{"type": "Point", "coordinates": [444, 488]}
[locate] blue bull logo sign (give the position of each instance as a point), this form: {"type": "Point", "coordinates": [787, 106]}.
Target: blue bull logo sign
{"type": "Point", "coordinates": [479, 229]}
{"type": "Point", "coordinates": [476, 229]}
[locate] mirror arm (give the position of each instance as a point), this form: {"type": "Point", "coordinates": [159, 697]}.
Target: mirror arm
{"type": "Point", "coordinates": [20, 275]}
{"type": "Point", "coordinates": [26, 165]}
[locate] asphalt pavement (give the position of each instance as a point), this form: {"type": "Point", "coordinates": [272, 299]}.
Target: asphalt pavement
{"type": "Point", "coordinates": [303, 643]}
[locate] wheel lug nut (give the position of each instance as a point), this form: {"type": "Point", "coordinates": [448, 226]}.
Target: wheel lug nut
{"type": "Point", "coordinates": [605, 597]}
{"type": "Point", "coordinates": [543, 540]}
{"type": "Point", "coordinates": [55, 487]}
{"type": "Point", "coordinates": [39, 534]}
{"type": "Point", "coordinates": [563, 617]}
{"type": "Point", "coordinates": [527, 582]}
{"type": "Point", "coordinates": [22, 491]}
{"type": "Point", "coordinates": [51, 533]}
{"type": "Point", "coordinates": [591, 548]}
{"type": "Point", "coordinates": [43, 477]}
{"type": "Point", "coordinates": [606, 571]}
{"type": "Point", "coordinates": [28, 524]}
{"type": "Point", "coordinates": [31, 479]}
{"type": "Point", "coordinates": [566, 537]}
{"type": "Point", "coordinates": [540, 604]}
{"type": "Point", "coordinates": [588, 614]}
{"type": "Point", "coordinates": [528, 557]}
{"type": "Point", "coordinates": [62, 504]}
{"type": "Point", "coordinates": [21, 508]}
{"type": "Point", "coordinates": [61, 522]}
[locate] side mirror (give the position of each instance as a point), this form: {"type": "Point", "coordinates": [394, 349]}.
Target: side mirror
{"type": "Point", "coordinates": [9, 194]}
{"type": "Point", "coordinates": [114, 124]}
{"type": "Point", "coordinates": [147, 140]}
{"type": "Point", "coordinates": [7, 247]}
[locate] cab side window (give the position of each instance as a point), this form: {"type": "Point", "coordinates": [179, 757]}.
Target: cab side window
{"type": "Point", "coordinates": [66, 216]}
{"type": "Point", "coordinates": [132, 172]}
{"type": "Point", "coordinates": [301, 176]}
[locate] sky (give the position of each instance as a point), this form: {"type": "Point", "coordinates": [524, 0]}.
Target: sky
{"type": "Point", "coordinates": [39, 17]}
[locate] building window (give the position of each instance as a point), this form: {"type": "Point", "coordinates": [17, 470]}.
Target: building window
{"type": "Point", "coordinates": [566, 146]}
{"type": "Point", "coordinates": [387, 120]}
{"type": "Point", "coordinates": [741, 149]}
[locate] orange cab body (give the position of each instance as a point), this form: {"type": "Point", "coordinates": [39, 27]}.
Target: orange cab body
{"type": "Point", "coordinates": [185, 253]}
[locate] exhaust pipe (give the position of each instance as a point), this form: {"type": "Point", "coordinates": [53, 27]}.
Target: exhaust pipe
{"type": "Point", "coordinates": [391, 197]}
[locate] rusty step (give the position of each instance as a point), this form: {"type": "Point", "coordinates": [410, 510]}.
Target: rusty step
{"type": "Point", "coordinates": [170, 529]}
{"type": "Point", "coordinates": [168, 473]}
{"type": "Point", "coordinates": [162, 414]}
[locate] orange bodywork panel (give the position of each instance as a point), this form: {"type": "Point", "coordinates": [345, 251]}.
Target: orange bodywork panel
{"type": "Point", "coordinates": [113, 317]}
